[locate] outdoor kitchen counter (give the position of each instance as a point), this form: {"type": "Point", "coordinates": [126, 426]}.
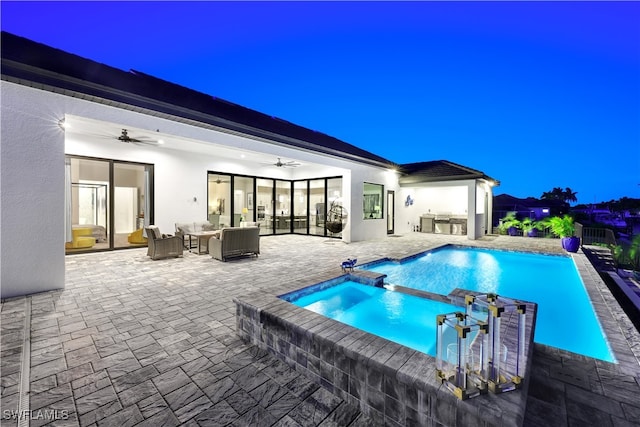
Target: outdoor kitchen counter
{"type": "Point", "coordinates": [441, 224]}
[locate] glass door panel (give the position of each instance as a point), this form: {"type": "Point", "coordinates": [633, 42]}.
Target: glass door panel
{"type": "Point", "coordinates": [335, 211]}
{"type": "Point", "coordinates": [243, 206]}
{"type": "Point", "coordinates": [128, 203]}
{"type": "Point", "coordinates": [219, 200]}
{"type": "Point", "coordinates": [317, 207]}
{"type": "Point", "coordinates": [300, 207]}
{"type": "Point", "coordinates": [283, 207]}
{"type": "Point", "coordinates": [89, 209]}
{"type": "Point", "coordinates": [265, 213]}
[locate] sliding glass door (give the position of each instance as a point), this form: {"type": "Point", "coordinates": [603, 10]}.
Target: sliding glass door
{"type": "Point", "coordinates": [283, 207]}
{"type": "Point", "coordinates": [300, 202]}
{"type": "Point", "coordinates": [108, 203]}
{"type": "Point", "coordinates": [128, 202]}
{"type": "Point", "coordinates": [219, 203]}
{"type": "Point", "coordinates": [265, 213]}
{"type": "Point", "coordinates": [318, 207]}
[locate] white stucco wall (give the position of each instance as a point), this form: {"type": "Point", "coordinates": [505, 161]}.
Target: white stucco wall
{"type": "Point", "coordinates": [31, 193]}
{"type": "Point", "coordinates": [367, 229]}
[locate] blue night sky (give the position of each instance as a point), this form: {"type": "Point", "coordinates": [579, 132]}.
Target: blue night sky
{"type": "Point", "coordinates": [535, 94]}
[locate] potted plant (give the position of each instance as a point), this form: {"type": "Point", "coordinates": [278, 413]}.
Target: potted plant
{"type": "Point", "coordinates": [563, 227]}
{"type": "Point", "coordinates": [530, 227]}
{"type": "Point", "coordinates": [509, 224]}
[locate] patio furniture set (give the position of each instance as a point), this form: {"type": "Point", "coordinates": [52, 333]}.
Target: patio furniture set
{"type": "Point", "coordinates": [222, 244]}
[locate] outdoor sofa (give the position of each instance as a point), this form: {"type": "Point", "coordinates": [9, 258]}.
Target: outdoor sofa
{"type": "Point", "coordinates": [235, 241]}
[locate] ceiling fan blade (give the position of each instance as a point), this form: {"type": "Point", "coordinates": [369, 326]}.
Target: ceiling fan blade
{"type": "Point", "coordinates": [125, 137]}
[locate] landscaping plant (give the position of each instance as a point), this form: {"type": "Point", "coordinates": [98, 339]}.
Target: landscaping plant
{"type": "Point", "coordinates": [509, 224]}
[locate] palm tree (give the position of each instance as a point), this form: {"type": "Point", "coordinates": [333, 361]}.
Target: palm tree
{"type": "Point", "coordinates": [555, 194]}
{"type": "Point", "coordinates": [566, 195]}
{"type": "Point", "coordinates": [569, 196]}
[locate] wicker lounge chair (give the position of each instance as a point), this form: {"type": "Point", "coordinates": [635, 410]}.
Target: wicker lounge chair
{"type": "Point", "coordinates": [163, 245]}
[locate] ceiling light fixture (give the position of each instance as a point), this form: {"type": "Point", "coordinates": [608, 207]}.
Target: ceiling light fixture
{"type": "Point", "coordinates": [63, 124]}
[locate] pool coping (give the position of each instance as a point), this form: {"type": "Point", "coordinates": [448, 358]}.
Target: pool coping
{"type": "Point", "coordinates": [445, 408]}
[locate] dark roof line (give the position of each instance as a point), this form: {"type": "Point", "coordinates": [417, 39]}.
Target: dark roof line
{"type": "Point", "coordinates": [25, 61]}
{"type": "Point", "coordinates": [439, 170]}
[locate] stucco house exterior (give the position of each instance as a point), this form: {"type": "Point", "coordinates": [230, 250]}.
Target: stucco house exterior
{"type": "Point", "coordinates": [87, 145]}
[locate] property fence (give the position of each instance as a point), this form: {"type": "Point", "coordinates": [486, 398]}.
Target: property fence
{"type": "Point", "coordinates": [588, 235]}
{"type": "Point", "coordinates": [591, 235]}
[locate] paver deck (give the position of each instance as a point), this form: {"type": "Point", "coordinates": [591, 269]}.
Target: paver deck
{"type": "Point", "coordinates": [131, 341]}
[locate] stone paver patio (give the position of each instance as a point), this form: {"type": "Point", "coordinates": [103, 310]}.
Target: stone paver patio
{"type": "Point", "coordinates": [132, 341]}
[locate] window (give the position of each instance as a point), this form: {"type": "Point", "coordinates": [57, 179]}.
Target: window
{"type": "Point", "coordinates": [372, 201]}
{"type": "Point", "coordinates": [279, 206]}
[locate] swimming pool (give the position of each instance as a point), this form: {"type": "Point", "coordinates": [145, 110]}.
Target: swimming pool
{"type": "Point", "coordinates": [401, 318]}
{"type": "Point", "coordinates": [565, 317]}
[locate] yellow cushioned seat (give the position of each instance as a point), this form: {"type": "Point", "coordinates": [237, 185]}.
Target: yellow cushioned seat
{"type": "Point", "coordinates": [137, 238]}
{"type": "Point", "coordinates": [81, 238]}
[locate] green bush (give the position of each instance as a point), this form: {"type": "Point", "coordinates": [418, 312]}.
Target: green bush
{"type": "Point", "coordinates": [561, 226]}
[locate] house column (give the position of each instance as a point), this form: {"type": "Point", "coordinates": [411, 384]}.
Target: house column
{"type": "Point", "coordinates": [471, 210]}
{"type": "Point", "coordinates": [489, 209]}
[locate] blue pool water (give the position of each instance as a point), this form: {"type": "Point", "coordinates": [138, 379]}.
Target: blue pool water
{"type": "Point", "coordinates": [405, 319]}
{"type": "Point", "coordinates": [565, 318]}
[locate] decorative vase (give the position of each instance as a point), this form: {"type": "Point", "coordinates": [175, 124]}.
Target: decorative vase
{"type": "Point", "coordinates": [532, 233]}
{"type": "Point", "coordinates": [512, 231]}
{"type": "Point", "coordinates": [571, 244]}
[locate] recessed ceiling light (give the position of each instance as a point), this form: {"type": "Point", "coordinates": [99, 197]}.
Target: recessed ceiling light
{"type": "Point", "coordinates": [161, 141]}
{"type": "Point", "coordinates": [242, 156]}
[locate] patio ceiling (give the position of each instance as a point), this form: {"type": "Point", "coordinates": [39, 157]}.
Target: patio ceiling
{"type": "Point", "coordinates": [83, 129]}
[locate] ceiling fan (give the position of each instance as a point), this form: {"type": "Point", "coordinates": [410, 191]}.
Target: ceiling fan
{"type": "Point", "coordinates": [219, 181]}
{"type": "Point", "coordinates": [125, 137]}
{"type": "Point", "coordinates": [289, 164]}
